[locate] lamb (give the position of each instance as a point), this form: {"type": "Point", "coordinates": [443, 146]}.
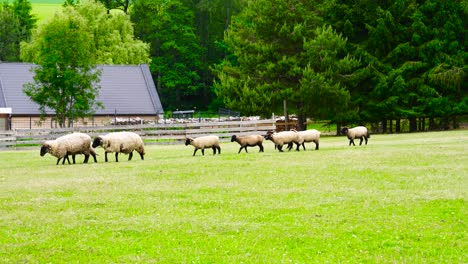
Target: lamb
{"type": "Point", "coordinates": [310, 135]}
{"type": "Point", "coordinates": [285, 137]}
{"type": "Point", "coordinates": [356, 132]}
{"type": "Point", "coordinates": [204, 142]}
{"type": "Point", "coordinates": [120, 142]}
{"type": "Point", "coordinates": [71, 144]}
{"type": "Point", "coordinates": [248, 141]}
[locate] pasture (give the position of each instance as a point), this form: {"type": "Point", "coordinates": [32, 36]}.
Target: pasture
{"type": "Point", "coordinates": [402, 198]}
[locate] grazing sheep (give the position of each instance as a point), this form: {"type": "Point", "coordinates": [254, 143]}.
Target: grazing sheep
{"type": "Point", "coordinates": [203, 143]}
{"type": "Point", "coordinates": [120, 142]}
{"type": "Point", "coordinates": [71, 144]}
{"type": "Point", "coordinates": [248, 141]}
{"type": "Point", "coordinates": [285, 137]}
{"type": "Point", "coordinates": [311, 135]}
{"type": "Point", "coordinates": [356, 132]}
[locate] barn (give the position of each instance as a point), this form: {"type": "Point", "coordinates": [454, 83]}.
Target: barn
{"type": "Point", "coordinates": [127, 93]}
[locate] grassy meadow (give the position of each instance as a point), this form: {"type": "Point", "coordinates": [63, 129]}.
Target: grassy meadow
{"type": "Point", "coordinates": [400, 199]}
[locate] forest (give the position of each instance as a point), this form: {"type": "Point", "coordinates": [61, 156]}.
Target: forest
{"type": "Point", "coordinates": [347, 62]}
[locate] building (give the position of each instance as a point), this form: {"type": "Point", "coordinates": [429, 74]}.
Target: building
{"type": "Point", "coordinates": [127, 93]}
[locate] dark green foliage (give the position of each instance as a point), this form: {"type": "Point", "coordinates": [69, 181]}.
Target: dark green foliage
{"type": "Point", "coordinates": [16, 25]}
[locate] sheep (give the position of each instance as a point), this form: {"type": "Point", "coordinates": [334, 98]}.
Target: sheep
{"type": "Point", "coordinates": [204, 142]}
{"type": "Point", "coordinates": [120, 142]}
{"type": "Point", "coordinates": [285, 137]}
{"type": "Point", "coordinates": [311, 135]}
{"type": "Point", "coordinates": [356, 132]}
{"type": "Point", "coordinates": [71, 144]}
{"type": "Point", "coordinates": [248, 141]}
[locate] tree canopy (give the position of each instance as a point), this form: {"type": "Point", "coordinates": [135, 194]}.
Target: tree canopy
{"type": "Point", "coordinates": [66, 50]}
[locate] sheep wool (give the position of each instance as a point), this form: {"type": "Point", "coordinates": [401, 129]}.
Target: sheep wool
{"type": "Point", "coordinates": [120, 142]}
{"type": "Point", "coordinates": [285, 137]}
{"type": "Point", "coordinates": [71, 144]}
{"type": "Point", "coordinates": [310, 135]}
{"type": "Point", "coordinates": [360, 132]}
{"type": "Point", "coordinates": [248, 141]}
{"type": "Point", "coordinates": [203, 143]}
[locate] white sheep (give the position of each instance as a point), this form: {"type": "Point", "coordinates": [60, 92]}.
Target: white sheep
{"type": "Point", "coordinates": [284, 138]}
{"type": "Point", "coordinates": [248, 141]}
{"type": "Point", "coordinates": [203, 143]}
{"type": "Point", "coordinates": [310, 135]}
{"type": "Point", "coordinates": [71, 144]}
{"type": "Point", "coordinates": [120, 142]}
{"type": "Point", "coordinates": [356, 132]}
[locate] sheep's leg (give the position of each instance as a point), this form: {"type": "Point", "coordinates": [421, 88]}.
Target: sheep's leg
{"type": "Point", "coordinates": [130, 156]}
{"type": "Point", "coordinates": [365, 139]}
{"type": "Point", "coordinates": [141, 155]}
{"type": "Point", "coordinates": [214, 150]}
{"type": "Point", "coordinates": [316, 145]}
{"type": "Point", "coordinates": [303, 145]}
{"type": "Point", "coordinates": [360, 142]}
{"type": "Point", "coordinates": [94, 157]}
{"type": "Point", "coordinates": [240, 149]}
{"type": "Point", "coordinates": [86, 158]}
{"type": "Point", "coordinates": [351, 141]}
{"type": "Point", "coordinates": [73, 158]}
{"type": "Point", "coordinates": [105, 155]}
{"type": "Point", "coordinates": [66, 158]}
{"type": "Point", "coordinates": [116, 157]}
{"type": "Point", "coordinates": [219, 150]}
{"type": "Point", "coordinates": [245, 147]}
{"type": "Point", "coordinates": [261, 147]}
{"type": "Point", "coordinates": [58, 160]}
{"type": "Point", "coordinates": [195, 151]}
{"type": "Point", "coordinates": [297, 146]}
{"type": "Point", "coordinates": [203, 151]}
{"type": "Point", "coordinates": [290, 145]}
{"type": "Point", "coordinates": [280, 148]}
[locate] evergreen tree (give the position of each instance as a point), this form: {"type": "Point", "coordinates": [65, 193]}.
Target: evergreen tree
{"type": "Point", "coordinates": [175, 50]}
{"type": "Point", "coordinates": [16, 25]}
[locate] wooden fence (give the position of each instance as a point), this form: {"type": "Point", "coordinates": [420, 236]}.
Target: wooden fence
{"type": "Point", "coordinates": [151, 134]}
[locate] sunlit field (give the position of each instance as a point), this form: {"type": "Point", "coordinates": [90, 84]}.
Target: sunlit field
{"type": "Point", "coordinates": [44, 9]}
{"type": "Point", "coordinates": [400, 199]}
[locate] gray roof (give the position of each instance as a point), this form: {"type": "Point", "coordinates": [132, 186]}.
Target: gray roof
{"type": "Point", "coordinates": [127, 89]}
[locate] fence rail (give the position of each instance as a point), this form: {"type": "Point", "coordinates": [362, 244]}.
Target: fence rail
{"type": "Point", "coordinates": [151, 134]}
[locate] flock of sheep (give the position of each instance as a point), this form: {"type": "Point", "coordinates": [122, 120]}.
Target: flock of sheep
{"type": "Point", "coordinates": [127, 142]}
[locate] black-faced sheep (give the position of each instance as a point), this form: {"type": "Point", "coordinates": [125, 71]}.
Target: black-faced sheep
{"type": "Point", "coordinates": [284, 138]}
{"type": "Point", "coordinates": [120, 142]}
{"type": "Point", "coordinates": [356, 132]}
{"type": "Point", "coordinates": [310, 135]}
{"type": "Point", "coordinates": [71, 144]}
{"type": "Point", "coordinates": [248, 141]}
{"type": "Point", "coordinates": [203, 143]}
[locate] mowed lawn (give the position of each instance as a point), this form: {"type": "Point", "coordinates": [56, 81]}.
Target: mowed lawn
{"type": "Point", "coordinates": [400, 199]}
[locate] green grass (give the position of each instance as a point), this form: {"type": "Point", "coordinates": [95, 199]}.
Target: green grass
{"type": "Point", "coordinates": [45, 10]}
{"type": "Point", "coordinates": [400, 199]}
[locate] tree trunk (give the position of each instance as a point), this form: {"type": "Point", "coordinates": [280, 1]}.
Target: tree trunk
{"type": "Point", "coordinates": [413, 124]}
{"type": "Point", "coordinates": [398, 126]}
{"type": "Point", "coordinates": [301, 122]}
{"type": "Point", "coordinates": [432, 124]}
{"type": "Point", "coordinates": [384, 126]}
{"type": "Point", "coordinates": [391, 126]}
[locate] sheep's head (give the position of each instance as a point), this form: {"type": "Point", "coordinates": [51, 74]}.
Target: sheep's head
{"type": "Point", "coordinates": [45, 149]}
{"type": "Point", "coordinates": [344, 130]}
{"type": "Point", "coordinates": [233, 138]}
{"type": "Point", "coordinates": [269, 135]}
{"type": "Point", "coordinates": [97, 142]}
{"type": "Point", "coordinates": [188, 141]}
